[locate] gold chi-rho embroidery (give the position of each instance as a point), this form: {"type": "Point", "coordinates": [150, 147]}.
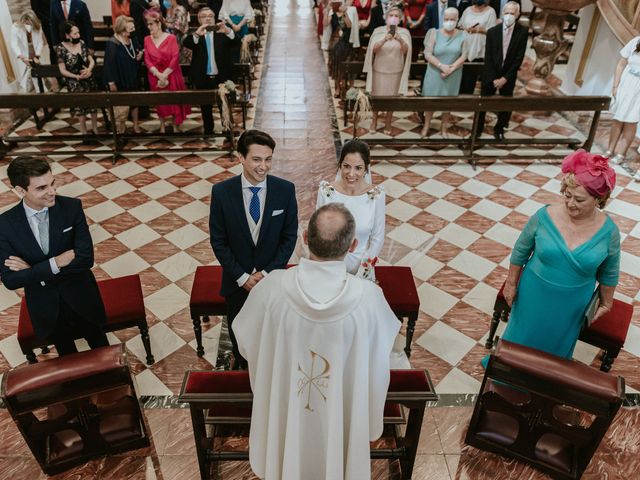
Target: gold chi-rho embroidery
{"type": "Point", "coordinates": [314, 381]}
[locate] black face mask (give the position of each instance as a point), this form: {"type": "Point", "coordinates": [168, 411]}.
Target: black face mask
{"type": "Point", "coordinates": [75, 40]}
{"type": "Point", "coordinates": [479, 2]}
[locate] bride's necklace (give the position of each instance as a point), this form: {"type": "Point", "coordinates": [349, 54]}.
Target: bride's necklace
{"type": "Point", "coordinates": [132, 52]}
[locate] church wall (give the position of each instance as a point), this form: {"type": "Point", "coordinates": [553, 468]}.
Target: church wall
{"type": "Point", "coordinates": [98, 9]}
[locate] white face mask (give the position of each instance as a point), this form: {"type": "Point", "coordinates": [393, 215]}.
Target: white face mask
{"type": "Point", "coordinates": [449, 25]}
{"type": "Point", "coordinates": [509, 19]}
{"type": "Point", "coordinates": [28, 28]}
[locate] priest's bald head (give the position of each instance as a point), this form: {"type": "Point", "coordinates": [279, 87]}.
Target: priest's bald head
{"type": "Point", "coordinates": [331, 233]}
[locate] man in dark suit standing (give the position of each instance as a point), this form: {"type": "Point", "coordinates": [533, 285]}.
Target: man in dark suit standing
{"type": "Point", "coordinates": [211, 60]}
{"type": "Point", "coordinates": [504, 52]}
{"type": "Point", "coordinates": [435, 13]}
{"type": "Point", "coordinates": [42, 9]}
{"type": "Point", "coordinates": [46, 248]}
{"type": "Point", "coordinates": [498, 6]}
{"type": "Point", "coordinates": [253, 225]}
{"type": "Point", "coordinates": [75, 11]}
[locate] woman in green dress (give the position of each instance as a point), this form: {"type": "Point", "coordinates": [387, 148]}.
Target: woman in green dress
{"type": "Point", "coordinates": [446, 51]}
{"type": "Point", "coordinates": [566, 249]}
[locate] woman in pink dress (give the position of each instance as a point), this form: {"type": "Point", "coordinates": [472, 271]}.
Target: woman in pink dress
{"type": "Point", "coordinates": [161, 56]}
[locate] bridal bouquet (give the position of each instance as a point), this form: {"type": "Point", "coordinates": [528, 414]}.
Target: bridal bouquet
{"type": "Point", "coordinates": [367, 269]}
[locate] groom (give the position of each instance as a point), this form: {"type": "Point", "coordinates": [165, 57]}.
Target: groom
{"type": "Point", "coordinates": [253, 225]}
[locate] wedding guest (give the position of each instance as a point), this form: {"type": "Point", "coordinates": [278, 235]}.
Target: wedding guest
{"type": "Point", "coordinates": [342, 17]}
{"type": "Point", "coordinates": [415, 12]}
{"type": "Point", "coordinates": [475, 20]}
{"type": "Point", "coordinates": [118, 8]}
{"type": "Point", "coordinates": [76, 11]}
{"type": "Point", "coordinates": [137, 9]}
{"type": "Point", "coordinates": [435, 13]}
{"type": "Point", "coordinates": [161, 56]}
{"type": "Point", "coordinates": [177, 22]}
{"type": "Point", "coordinates": [498, 6]}
{"type": "Point", "coordinates": [237, 14]}
{"type": "Point", "coordinates": [364, 12]}
{"type": "Point", "coordinates": [42, 9]}
{"type": "Point", "coordinates": [27, 41]}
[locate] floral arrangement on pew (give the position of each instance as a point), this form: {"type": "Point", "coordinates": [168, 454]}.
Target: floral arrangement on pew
{"type": "Point", "coordinates": [224, 91]}
{"type": "Point", "coordinates": [367, 269]}
{"type": "Point", "coordinates": [245, 48]}
{"type": "Point", "coordinates": [361, 102]}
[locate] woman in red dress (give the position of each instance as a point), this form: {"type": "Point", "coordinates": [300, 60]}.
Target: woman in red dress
{"type": "Point", "coordinates": [161, 56]}
{"type": "Point", "coordinates": [414, 13]}
{"type": "Point", "coordinates": [364, 12]}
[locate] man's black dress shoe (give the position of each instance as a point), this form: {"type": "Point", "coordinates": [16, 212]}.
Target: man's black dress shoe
{"type": "Point", "coordinates": [499, 135]}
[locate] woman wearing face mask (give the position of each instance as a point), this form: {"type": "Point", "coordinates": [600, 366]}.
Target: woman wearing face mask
{"type": "Point", "coordinates": [388, 62]}
{"type": "Point", "coordinates": [177, 21]}
{"type": "Point", "coordinates": [27, 41]}
{"type": "Point", "coordinates": [76, 65]}
{"type": "Point", "coordinates": [476, 20]}
{"type": "Point", "coordinates": [445, 50]}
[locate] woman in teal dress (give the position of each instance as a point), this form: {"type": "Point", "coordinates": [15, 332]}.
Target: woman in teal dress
{"type": "Point", "coordinates": [445, 50]}
{"type": "Point", "coordinates": [565, 249]}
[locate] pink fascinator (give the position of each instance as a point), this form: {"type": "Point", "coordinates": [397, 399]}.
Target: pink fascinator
{"type": "Point", "coordinates": [591, 171]}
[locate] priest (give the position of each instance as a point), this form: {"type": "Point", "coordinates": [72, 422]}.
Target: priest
{"type": "Point", "coordinates": [317, 341]}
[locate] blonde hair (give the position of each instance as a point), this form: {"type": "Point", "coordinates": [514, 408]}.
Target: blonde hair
{"type": "Point", "coordinates": [570, 181]}
{"type": "Point", "coordinates": [120, 24]}
{"type": "Point", "coordinates": [30, 17]}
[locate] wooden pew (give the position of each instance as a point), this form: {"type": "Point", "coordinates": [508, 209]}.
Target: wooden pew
{"type": "Point", "coordinates": [220, 404]}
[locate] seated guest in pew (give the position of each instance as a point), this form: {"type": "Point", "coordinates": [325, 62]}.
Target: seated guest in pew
{"type": "Point", "coordinates": [177, 21]}
{"type": "Point", "coordinates": [118, 8]}
{"type": "Point", "coordinates": [253, 225]}
{"type": "Point", "coordinates": [27, 41]}
{"type": "Point", "coordinates": [46, 248]}
{"type": "Point", "coordinates": [76, 66]}
{"type": "Point", "coordinates": [388, 63]}
{"type": "Point", "coordinates": [211, 62]}
{"type": "Point", "coordinates": [445, 50]}
{"type": "Point", "coordinates": [76, 11]}
{"type": "Point", "coordinates": [566, 249]}
{"type": "Point", "coordinates": [476, 20]}
{"type": "Point", "coordinates": [318, 342]}
{"type": "Point", "coordinates": [353, 189]}
{"type": "Point", "coordinates": [161, 56]}
{"type": "Point", "coordinates": [122, 57]}
{"type": "Point", "coordinates": [435, 13]}
{"type": "Point", "coordinates": [504, 52]}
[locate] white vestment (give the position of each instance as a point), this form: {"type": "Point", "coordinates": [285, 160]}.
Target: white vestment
{"type": "Point", "coordinates": [317, 341]}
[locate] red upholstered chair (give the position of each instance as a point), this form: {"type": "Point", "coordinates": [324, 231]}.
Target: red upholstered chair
{"type": "Point", "coordinates": [124, 306]}
{"type": "Point", "coordinates": [220, 404]}
{"type": "Point", "coordinates": [206, 300]}
{"type": "Point", "coordinates": [400, 291]}
{"type": "Point", "coordinates": [544, 410]}
{"type": "Point", "coordinates": [608, 333]}
{"type": "Point", "coordinates": [77, 407]}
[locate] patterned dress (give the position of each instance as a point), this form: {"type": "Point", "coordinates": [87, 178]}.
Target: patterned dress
{"type": "Point", "coordinates": [74, 63]}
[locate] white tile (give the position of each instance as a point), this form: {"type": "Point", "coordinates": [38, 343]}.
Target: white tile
{"type": "Point", "coordinates": [387, 169]}
{"type": "Point", "coordinates": [499, 331]}
{"type": "Point", "coordinates": [103, 211]}
{"type": "Point", "coordinates": [422, 266]}
{"type": "Point", "coordinates": [629, 263]}
{"type": "Point", "coordinates": [635, 232]}
{"type": "Point", "coordinates": [435, 188]}
{"type": "Point", "coordinates": [457, 235]}
{"type": "Point", "coordinates": [116, 189]}
{"type": "Point", "coordinates": [626, 209]}
{"type": "Point", "coordinates": [505, 169]}
{"type": "Point", "coordinates": [177, 266]}
{"type": "Point", "coordinates": [8, 298]}
{"type": "Point", "coordinates": [127, 169]}
{"type": "Point", "coordinates": [163, 343]}
{"type": "Point", "coordinates": [482, 296]}
{"type": "Point", "coordinates": [158, 189]}
{"type": "Point", "coordinates": [148, 384]}
{"type": "Point", "coordinates": [199, 189]}
{"type": "Point", "coordinates": [446, 342]}
{"type": "Point", "coordinates": [186, 236]}
{"type": "Point", "coordinates": [491, 210]}
{"type": "Point", "coordinates": [87, 170]}
{"type": "Point", "coordinates": [409, 235]}
{"type": "Point", "coordinates": [74, 189]}
{"type": "Point", "coordinates": [435, 302]}
{"type": "Point", "coordinates": [10, 348]}
{"type": "Point", "coordinates": [394, 188]}
{"type": "Point", "coordinates": [138, 236]}
{"type": "Point", "coordinates": [127, 264]}
{"type": "Point", "coordinates": [166, 170]}
{"type": "Point", "coordinates": [503, 234]}
{"type": "Point", "coordinates": [210, 340]}
{"type": "Point", "coordinates": [529, 207]}
{"type": "Point", "coordinates": [426, 170]}
{"type": "Point", "coordinates": [193, 211]}
{"type": "Point", "coordinates": [98, 234]}
{"type": "Point", "coordinates": [148, 211]}
{"type": "Point", "coordinates": [401, 210]}
{"type": "Point", "coordinates": [472, 265]}
{"type": "Point", "coordinates": [477, 188]}
{"type": "Point", "coordinates": [206, 170]}
{"type": "Point", "coordinates": [519, 188]}
{"type": "Point", "coordinates": [632, 343]}
{"type": "Point", "coordinates": [552, 186]}
{"type": "Point", "coordinates": [167, 301]}
{"type": "Point", "coordinates": [444, 209]}
{"type": "Point", "coordinates": [464, 169]}
{"type": "Point", "coordinates": [585, 353]}
{"type": "Point", "coordinates": [456, 381]}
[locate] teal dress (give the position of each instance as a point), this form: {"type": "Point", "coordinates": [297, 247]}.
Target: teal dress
{"type": "Point", "coordinates": [557, 283]}
{"type": "Point", "coordinates": [447, 50]}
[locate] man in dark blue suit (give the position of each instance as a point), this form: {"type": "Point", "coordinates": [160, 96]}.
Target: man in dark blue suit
{"type": "Point", "coordinates": [435, 13]}
{"type": "Point", "coordinates": [253, 225]}
{"type": "Point", "coordinates": [75, 11]}
{"type": "Point", "coordinates": [46, 248]}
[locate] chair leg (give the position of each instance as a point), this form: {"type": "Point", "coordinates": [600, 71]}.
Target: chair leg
{"type": "Point", "coordinates": [492, 329]}
{"type": "Point", "coordinates": [197, 328]}
{"type": "Point", "coordinates": [608, 356]}
{"type": "Point", "coordinates": [144, 334]}
{"type": "Point", "coordinates": [31, 357]}
{"type": "Point", "coordinates": [411, 327]}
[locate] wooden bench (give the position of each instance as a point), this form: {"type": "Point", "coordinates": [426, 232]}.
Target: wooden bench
{"type": "Point", "coordinates": [220, 404]}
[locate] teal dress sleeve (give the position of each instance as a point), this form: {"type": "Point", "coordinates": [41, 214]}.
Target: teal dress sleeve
{"type": "Point", "coordinates": [609, 269]}
{"type": "Point", "coordinates": [526, 242]}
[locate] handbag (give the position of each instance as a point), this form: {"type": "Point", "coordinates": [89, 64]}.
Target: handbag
{"type": "Point", "coordinates": [592, 307]}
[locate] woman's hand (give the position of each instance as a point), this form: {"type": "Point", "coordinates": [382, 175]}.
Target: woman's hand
{"type": "Point", "coordinates": [614, 91]}
{"type": "Point", "coordinates": [113, 87]}
{"type": "Point", "coordinates": [510, 291]}
{"type": "Point", "coordinates": [602, 309]}
{"type": "Point", "coordinates": [85, 73]}
{"type": "Point", "coordinates": [236, 28]}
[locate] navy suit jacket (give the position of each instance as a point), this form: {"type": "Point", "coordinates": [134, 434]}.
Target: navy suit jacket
{"type": "Point", "coordinates": [78, 14]}
{"type": "Point", "coordinates": [231, 237]}
{"type": "Point", "coordinates": [432, 19]}
{"type": "Point", "coordinates": [75, 283]}
{"type": "Point", "coordinates": [494, 66]}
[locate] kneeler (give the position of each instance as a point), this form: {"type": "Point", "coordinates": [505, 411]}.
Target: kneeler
{"type": "Point", "coordinates": [543, 410]}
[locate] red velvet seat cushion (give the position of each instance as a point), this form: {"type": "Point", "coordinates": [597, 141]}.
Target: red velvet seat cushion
{"type": "Point", "coordinates": [612, 326]}
{"type": "Point", "coordinates": [218, 382]}
{"type": "Point", "coordinates": [399, 288]}
{"type": "Point", "coordinates": [409, 381]}
{"type": "Point", "coordinates": [205, 292]}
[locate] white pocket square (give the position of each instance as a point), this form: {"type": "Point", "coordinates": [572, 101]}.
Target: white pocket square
{"type": "Point", "coordinates": [66, 229]}
{"type": "Point", "coordinates": [277, 212]}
